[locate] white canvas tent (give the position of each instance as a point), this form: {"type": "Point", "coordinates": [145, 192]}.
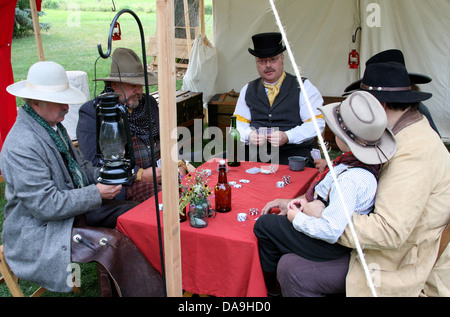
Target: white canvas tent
{"type": "Point", "coordinates": [320, 33]}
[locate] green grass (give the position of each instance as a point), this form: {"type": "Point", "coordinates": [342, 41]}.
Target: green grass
{"type": "Point", "coordinates": [74, 45]}
{"type": "Point", "coordinates": [74, 35]}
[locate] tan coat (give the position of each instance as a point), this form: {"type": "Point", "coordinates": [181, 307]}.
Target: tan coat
{"type": "Point", "coordinates": [412, 208]}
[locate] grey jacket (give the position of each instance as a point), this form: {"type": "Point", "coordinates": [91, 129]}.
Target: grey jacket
{"type": "Point", "coordinates": [42, 204]}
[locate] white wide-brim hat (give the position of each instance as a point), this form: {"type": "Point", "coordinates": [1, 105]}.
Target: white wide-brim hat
{"type": "Point", "coordinates": [361, 122]}
{"type": "Point", "coordinates": [47, 81]}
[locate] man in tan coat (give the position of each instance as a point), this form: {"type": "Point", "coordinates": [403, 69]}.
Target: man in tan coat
{"type": "Point", "coordinates": [401, 238]}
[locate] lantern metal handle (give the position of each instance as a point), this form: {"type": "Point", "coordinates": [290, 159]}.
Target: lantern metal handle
{"type": "Point", "coordinates": [147, 102]}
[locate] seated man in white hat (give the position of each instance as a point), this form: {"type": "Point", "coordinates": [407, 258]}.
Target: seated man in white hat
{"type": "Point", "coordinates": [360, 126]}
{"type": "Point", "coordinates": [51, 190]}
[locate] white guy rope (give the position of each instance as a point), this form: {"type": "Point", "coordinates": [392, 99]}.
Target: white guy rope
{"type": "Point", "coordinates": [322, 144]}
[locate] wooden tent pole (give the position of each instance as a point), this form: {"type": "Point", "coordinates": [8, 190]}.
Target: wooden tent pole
{"type": "Point", "coordinates": [168, 123]}
{"type": "Point", "coordinates": [37, 30]}
{"type": "Point", "coordinates": [187, 22]}
{"type": "Point", "coordinates": [202, 17]}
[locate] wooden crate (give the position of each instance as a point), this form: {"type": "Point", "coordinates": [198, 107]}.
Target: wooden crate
{"type": "Point", "coordinates": [189, 108]}
{"type": "Point", "coordinates": [220, 109]}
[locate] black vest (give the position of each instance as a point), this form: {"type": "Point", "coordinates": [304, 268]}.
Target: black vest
{"type": "Point", "coordinates": [284, 113]}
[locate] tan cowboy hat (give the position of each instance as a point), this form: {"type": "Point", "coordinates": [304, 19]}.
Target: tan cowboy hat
{"type": "Point", "coordinates": [361, 122]}
{"type": "Point", "coordinates": [126, 67]}
{"type": "Point", "coordinates": [47, 81]}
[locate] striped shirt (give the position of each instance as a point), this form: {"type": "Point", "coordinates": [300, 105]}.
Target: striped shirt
{"type": "Point", "coordinates": [358, 187]}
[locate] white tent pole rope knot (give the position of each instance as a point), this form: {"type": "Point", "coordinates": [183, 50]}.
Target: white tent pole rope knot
{"type": "Point", "coordinates": [322, 144]}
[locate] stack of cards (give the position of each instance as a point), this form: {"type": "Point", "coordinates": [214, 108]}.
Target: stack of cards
{"type": "Point", "coordinates": [265, 131]}
{"type": "Point", "coordinates": [315, 154]}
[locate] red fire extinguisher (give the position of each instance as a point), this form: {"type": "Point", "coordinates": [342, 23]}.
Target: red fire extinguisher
{"type": "Point", "coordinates": [117, 32]}
{"type": "Point", "coordinates": [353, 59]}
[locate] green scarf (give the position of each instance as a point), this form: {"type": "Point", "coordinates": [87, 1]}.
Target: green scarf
{"type": "Point", "coordinates": [61, 140]}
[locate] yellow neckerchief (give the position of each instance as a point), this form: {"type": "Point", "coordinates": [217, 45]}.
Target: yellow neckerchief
{"type": "Point", "coordinates": [274, 90]}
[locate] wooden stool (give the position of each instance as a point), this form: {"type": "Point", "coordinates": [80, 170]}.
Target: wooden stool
{"type": "Point", "coordinates": [12, 281]}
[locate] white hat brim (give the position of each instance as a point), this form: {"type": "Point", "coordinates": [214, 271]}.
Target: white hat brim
{"type": "Point", "coordinates": [70, 95]}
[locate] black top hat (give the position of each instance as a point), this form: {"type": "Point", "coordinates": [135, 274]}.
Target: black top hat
{"type": "Point", "coordinates": [393, 55]}
{"type": "Point", "coordinates": [390, 82]}
{"type": "Point", "coordinates": [267, 45]}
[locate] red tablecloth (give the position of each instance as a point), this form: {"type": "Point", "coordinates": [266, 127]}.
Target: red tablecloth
{"type": "Point", "coordinates": [221, 259]}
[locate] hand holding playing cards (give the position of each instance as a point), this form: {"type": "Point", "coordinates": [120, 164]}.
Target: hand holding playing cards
{"type": "Point", "coordinates": [256, 138]}
{"type": "Point", "coordinates": [278, 138]}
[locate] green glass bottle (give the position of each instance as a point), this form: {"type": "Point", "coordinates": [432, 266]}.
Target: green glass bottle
{"type": "Point", "coordinates": [233, 144]}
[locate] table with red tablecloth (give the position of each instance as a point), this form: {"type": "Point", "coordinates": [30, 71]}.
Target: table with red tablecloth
{"type": "Point", "coordinates": [221, 259]}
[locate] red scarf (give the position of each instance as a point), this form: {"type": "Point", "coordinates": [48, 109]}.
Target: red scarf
{"type": "Point", "coordinates": [347, 159]}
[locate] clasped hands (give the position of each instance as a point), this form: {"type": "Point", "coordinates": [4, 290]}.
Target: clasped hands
{"type": "Point", "coordinates": [291, 207]}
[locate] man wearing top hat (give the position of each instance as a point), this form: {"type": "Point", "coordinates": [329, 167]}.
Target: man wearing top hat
{"type": "Point", "coordinates": [127, 79]}
{"type": "Point", "coordinates": [275, 101]}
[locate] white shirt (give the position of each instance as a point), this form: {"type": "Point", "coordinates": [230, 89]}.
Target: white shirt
{"type": "Point", "coordinates": [297, 135]}
{"type": "Point", "coordinates": [358, 187]}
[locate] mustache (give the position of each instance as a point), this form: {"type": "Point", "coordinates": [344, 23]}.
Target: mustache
{"type": "Point", "coordinates": [269, 69]}
{"type": "Point", "coordinates": [63, 113]}
{"type": "Point", "coordinates": [138, 96]}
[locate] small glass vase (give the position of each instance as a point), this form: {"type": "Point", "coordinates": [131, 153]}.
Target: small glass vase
{"type": "Point", "coordinates": [199, 213]}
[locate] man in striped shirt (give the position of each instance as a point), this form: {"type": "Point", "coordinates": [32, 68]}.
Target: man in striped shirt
{"type": "Point", "coordinates": [360, 126]}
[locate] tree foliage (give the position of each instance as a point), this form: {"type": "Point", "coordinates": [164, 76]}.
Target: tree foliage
{"type": "Point", "coordinates": [23, 22]}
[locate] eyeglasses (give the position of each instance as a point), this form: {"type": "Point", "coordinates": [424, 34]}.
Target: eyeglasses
{"type": "Point", "coordinates": [270, 60]}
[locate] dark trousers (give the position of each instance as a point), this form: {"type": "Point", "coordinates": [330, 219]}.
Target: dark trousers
{"type": "Point", "coordinates": [277, 236]}
{"type": "Point", "coordinates": [299, 277]}
{"type": "Point", "coordinates": [106, 216]}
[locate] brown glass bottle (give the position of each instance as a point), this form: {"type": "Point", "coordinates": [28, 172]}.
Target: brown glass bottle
{"type": "Point", "coordinates": [223, 190]}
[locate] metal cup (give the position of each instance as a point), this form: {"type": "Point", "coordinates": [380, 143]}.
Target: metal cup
{"type": "Point", "coordinates": [297, 163]}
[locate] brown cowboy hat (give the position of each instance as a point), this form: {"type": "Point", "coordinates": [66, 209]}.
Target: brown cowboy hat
{"type": "Point", "coordinates": [126, 67]}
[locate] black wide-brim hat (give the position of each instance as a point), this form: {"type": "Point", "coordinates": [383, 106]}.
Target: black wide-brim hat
{"type": "Point", "coordinates": [390, 82]}
{"type": "Point", "coordinates": [393, 55]}
{"type": "Point", "coordinates": [267, 45]}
